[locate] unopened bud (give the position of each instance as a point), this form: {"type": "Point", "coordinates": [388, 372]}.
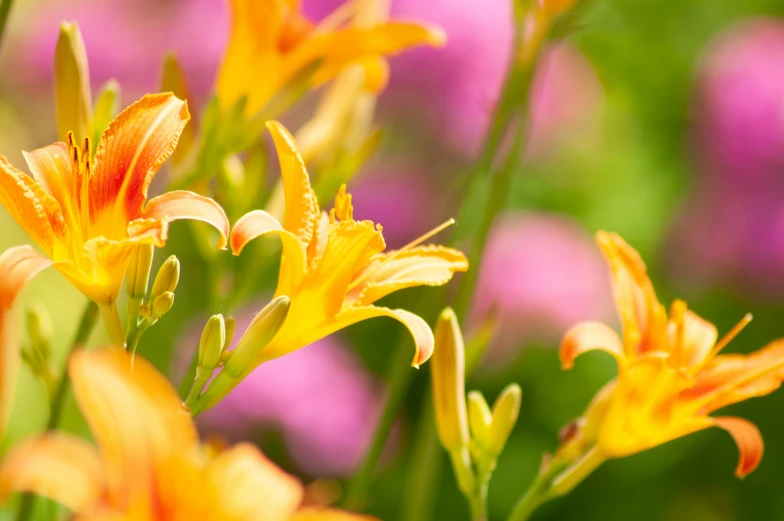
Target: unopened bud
{"type": "Point", "coordinates": [173, 80]}
{"type": "Point", "coordinates": [505, 412]}
{"type": "Point", "coordinates": [213, 338]}
{"type": "Point", "coordinates": [72, 84]}
{"type": "Point", "coordinates": [162, 304]}
{"type": "Point", "coordinates": [167, 278]}
{"type": "Point", "coordinates": [138, 276]}
{"type": "Point", "coordinates": [107, 106]}
{"type": "Point", "coordinates": [39, 327]}
{"type": "Point", "coordinates": [479, 418]}
{"type": "Point", "coordinates": [231, 327]}
{"type": "Point", "coordinates": [260, 332]}
{"type": "Point", "coordinates": [447, 369]}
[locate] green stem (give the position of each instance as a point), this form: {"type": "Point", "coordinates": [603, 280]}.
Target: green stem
{"type": "Point", "coordinates": [425, 469]}
{"type": "Point", "coordinates": [187, 382]}
{"type": "Point", "coordinates": [134, 335]}
{"type": "Point", "coordinates": [399, 379]}
{"type": "Point", "coordinates": [111, 321]}
{"type": "Point", "coordinates": [5, 10]}
{"type": "Point", "coordinates": [86, 326]}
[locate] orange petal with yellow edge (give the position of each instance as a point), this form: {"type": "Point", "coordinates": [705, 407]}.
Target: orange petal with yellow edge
{"type": "Point", "coordinates": [53, 168]}
{"type": "Point", "coordinates": [135, 416]}
{"type": "Point", "coordinates": [61, 467]}
{"type": "Point", "coordinates": [181, 204]}
{"type": "Point", "coordinates": [130, 153]}
{"type": "Point", "coordinates": [294, 261]}
{"type": "Point", "coordinates": [30, 206]}
{"type": "Point", "coordinates": [590, 336]}
{"type": "Point", "coordinates": [328, 514]}
{"type": "Point", "coordinates": [249, 486]}
{"type": "Point", "coordinates": [301, 207]}
{"type": "Point", "coordinates": [425, 265]}
{"type": "Point", "coordinates": [749, 441]}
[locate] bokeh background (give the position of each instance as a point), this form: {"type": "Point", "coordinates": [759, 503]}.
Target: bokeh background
{"type": "Point", "coordinates": [663, 121]}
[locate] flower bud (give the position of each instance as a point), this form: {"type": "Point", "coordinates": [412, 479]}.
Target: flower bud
{"type": "Point", "coordinates": [162, 304]}
{"type": "Point", "coordinates": [479, 418]}
{"type": "Point", "coordinates": [213, 338]}
{"type": "Point", "coordinates": [505, 412]}
{"type": "Point", "coordinates": [139, 271]}
{"type": "Point", "coordinates": [39, 328]}
{"type": "Point", "coordinates": [173, 80]}
{"type": "Point", "coordinates": [447, 369]}
{"type": "Point", "coordinates": [260, 332]}
{"type": "Point", "coordinates": [72, 84]}
{"type": "Point", "coordinates": [107, 106]}
{"type": "Point", "coordinates": [167, 278]}
{"type": "Point", "coordinates": [231, 327]}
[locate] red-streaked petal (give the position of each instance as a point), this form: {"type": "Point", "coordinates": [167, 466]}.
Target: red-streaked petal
{"type": "Point", "coordinates": [30, 206]}
{"type": "Point", "coordinates": [60, 467]}
{"type": "Point", "coordinates": [135, 416]}
{"type": "Point", "coordinates": [294, 261]}
{"type": "Point", "coordinates": [301, 207]}
{"type": "Point", "coordinates": [590, 336]}
{"type": "Point", "coordinates": [749, 441]}
{"type": "Point", "coordinates": [182, 204]}
{"type": "Point", "coordinates": [130, 153]}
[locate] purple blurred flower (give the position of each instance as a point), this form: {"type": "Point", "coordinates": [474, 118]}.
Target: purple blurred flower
{"type": "Point", "coordinates": [321, 399]}
{"type": "Point", "coordinates": [540, 274]}
{"type": "Point", "coordinates": [733, 226]}
{"type": "Point", "coordinates": [128, 40]}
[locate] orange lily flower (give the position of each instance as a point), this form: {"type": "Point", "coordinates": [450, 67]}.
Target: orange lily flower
{"type": "Point", "coordinates": [272, 43]}
{"type": "Point", "coordinates": [670, 373]}
{"type": "Point", "coordinates": [334, 268]}
{"type": "Point", "coordinates": [18, 265]}
{"type": "Point", "coordinates": [150, 466]}
{"type": "Point", "coordinates": [88, 214]}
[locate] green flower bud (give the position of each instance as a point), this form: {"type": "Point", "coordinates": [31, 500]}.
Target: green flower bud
{"type": "Point", "coordinates": [162, 304]}
{"type": "Point", "coordinates": [213, 338]}
{"type": "Point", "coordinates": [479, 418]}
{"type": "Point", "coordinates": [107, 106]}
{"type": "Point", "coordinates": [447, 369]}
{"type": "Point", "coordinates": [505, 412]}
{"type": "Point", "coordinates": [72, 84]}
{"type": "Point", "coordinates": [260, 332]}
{"type": "Point", "coordinates": [231, 327]}
{"type": "Point", "coordinates": [138, 275]}
{"type": "Point", "coordinates": [39, 328]}
{"type": "Point", "coordinates": [167, 278]}
{"type": "Point", "coordinates": [173, 80]}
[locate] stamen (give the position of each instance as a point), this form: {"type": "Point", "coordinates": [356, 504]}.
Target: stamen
{"type": "Point", "coordinates": [726, 339]}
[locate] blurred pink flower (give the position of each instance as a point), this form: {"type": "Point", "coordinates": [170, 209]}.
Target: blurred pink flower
{"type": "Point", "coordinates": [540, 274]}
{"type": "Point", "coordinates": [732, 228]}
{"type": "Point", "coordinates": [321, 399]}
{"type": "Point", "coordinates": [128, 40]}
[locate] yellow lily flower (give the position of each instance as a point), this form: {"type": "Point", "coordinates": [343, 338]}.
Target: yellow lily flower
{"type": "Point", "coordinates": [88, 214]}
{"type": "Point", "coordinates": [334, 268]}
{"type": "Point", "coordinates": [18, 265]}
{"type": "Point", "coordinates": [272, 42]}
{"type": "Point", "coordinates": [150, 466]}
{"type": "Point", "coordinates": [670, 373]}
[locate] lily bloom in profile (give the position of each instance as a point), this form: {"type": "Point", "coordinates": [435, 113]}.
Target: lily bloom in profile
{"type": "Point", "coordinates": [18, 265]}
{"type": "Point", "coordinates": [670, 373]}
{"type": "Point", "coordinates": [89, 213]}
{"type": "Point", "coordinates": [151, 465]}
{"type": "Point", "coordinates": [334, 268]}
{"type": "Point", "coordinates": [274, 47]}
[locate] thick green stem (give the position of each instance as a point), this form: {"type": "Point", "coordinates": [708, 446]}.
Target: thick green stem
{"type": "Point", "coordinates": [111, 321]}
{"type": "Point", "coordinates": [86, 326]}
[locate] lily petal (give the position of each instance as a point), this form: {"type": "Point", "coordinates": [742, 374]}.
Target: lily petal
{"type": "Point", "coordinates": [52, 168]}
{"type": "Point", "coordinates": [60, 467]}
{"type": "Point", "coordinates": [590, 336]}
{"type": "Point", "coordinates": [749, 440]}
{"type": "Point", "coordinates": [130, 153]}
{"type": "Point", "coordinates": [301, 206]}
{"type": "Point", "coordinates": [294, 261]}
{"type": "Point", "coordinates": [328, 514]}
{"type": "Point", "coordinates": [181, 204]}
{"type": "Point", "coordinates": [135, 417]}
{"type": "Point", "coordinates": [249, 486]}
{"type": "Point", "coordinates": [642, 316]}
{"type": "Point", "coordinates": [426, 265]}
{"type": "Point", "coordinates": [699, 337]}
{"type": "Point", "coordinates": [30, 206]}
